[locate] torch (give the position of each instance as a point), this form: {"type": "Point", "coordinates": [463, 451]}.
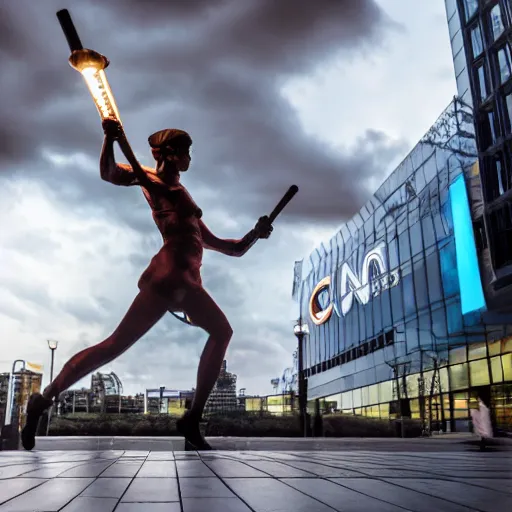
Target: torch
{"type": "Point", "coordinates": [92, 66]}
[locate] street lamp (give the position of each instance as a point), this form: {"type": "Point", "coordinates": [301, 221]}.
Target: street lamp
{"type": "Point", "coordinates": [92, 66]}
{"type": "Point", "coordinates": [52, 345]}
{"type": "Point", "coordinates": [161, 398]}
{"type": "Point", "coordinates": [301, 330]}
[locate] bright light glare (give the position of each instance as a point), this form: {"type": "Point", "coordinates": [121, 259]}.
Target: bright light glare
{"type": "Point", "coordinates": [99, 88]}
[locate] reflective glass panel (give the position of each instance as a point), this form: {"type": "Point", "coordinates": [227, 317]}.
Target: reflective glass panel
{"type": "Point", "coordinates": [495, 348]}
{"type": "Point", "coordinates": [458, 355]}
{"type": "Point", "coordinates": [357, 397]}
{"type": "Point", "coordinates": [496, 370]}
{"type": "Point", "coordinates": [504, 61]}
{"type": "Point", "coordinates": [477, 351]}
{"type": "Point", "coordinates": [482, 84]}
{"type": "Point", "coordinates": [479, 373]}
{"type": "Point", "coordinates": [443, 379]}
{"type": "Point", "coordinates": [384, 410]}
{"type": "Point", "coordinates": [373, 394]}
{"type": "Point", "coordinates": [470, 7]}
{"type": "Point", "coordinates": [506, 362]}
{"type": "Point", "coordinates": [459, 376]}
{"type": "Point", "coordinates": [496, 21]}
{"type": "Point", "coordinates": [412, 385]}
{"type": "Point", "coordinates": [386, 391]}
{"type": "Point", "coordinates": [476, 41]}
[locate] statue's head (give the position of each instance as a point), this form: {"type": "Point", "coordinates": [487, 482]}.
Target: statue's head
{"type": "Point", "coordinates": [171, 149]}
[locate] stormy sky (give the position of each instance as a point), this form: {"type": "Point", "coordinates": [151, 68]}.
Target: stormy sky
{"type": "Point", "coordinates": [329, 95]}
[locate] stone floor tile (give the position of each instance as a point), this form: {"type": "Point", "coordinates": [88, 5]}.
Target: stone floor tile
{"type": "Point", "coordinates": [87, 470]}
{"type": "Point", "coordinates": [214, 505]}
{"type": "Point", "coordinates": [482, 499]}
{"type": "Point", "coordinates": [135, 454]}
{"type": "Point", "coordinates": [107, 488]}
{"type": "Point", "coordinates": [204, 488]}
{"type": "Point", "coordinates": [476, 474]}
{"type": "Point", "coordinates": [11, 488]}
{"type": "Point", "coordinates": [193, 468]}
{"type": "Point", "coordinates": [409, 499]}
{"type": "Point", "coordinates": [161, 456]}
{"type": "Point", "coordinates": [125, 469]}
{"type": "Point", "coordinates": [340, 498]}
{"type": "Point", "coordinates": [234, 469]}
{"type": "Point", "coordinates": [395, 473]}
{"type": "Point", "coordinates": [152, 490]}
{"type": "Point", "coordinates": [89, 504]}
{"type": "Point", "coordinates": [149, 507]}
{"type": "Point", "coordinates": [498, 484]}
{"type": "Point", "coordinates": [157, 469]}
{"type": "Point", "coordinates": [279, 470]}
{"type": "Point", "coordinates": [49, 497]}
{"type": "Point", "coordinates": [323, 470]}
{"type": "Point", "coordinates": [17, 470]}
{"type": "Point", "coordinates": [271, 495]}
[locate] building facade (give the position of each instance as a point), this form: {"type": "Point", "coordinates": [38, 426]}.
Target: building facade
{"type": "Point", "coordinates": [396, 303]}
{"type": "Point", "coordinates": [4, 394]}
{"type": "Point", "coordinates": [481, 36]}
{"type": "Point", "coordinates": [223, 396]}
{"type": "Point", "coordinates": [167, 401]}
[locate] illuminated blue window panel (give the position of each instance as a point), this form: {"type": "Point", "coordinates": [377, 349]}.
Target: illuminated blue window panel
{"type": "Point", "coordinates": [471, 291]}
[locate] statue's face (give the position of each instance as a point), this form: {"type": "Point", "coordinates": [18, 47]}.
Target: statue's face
{"type": "Point", "coordinates": [178, 159]}
{"type": "Point", "coordinates": [181, 161]}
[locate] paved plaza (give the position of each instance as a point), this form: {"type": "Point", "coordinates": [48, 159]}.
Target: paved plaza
{"type": "Point", "coordinates": [261, 481]}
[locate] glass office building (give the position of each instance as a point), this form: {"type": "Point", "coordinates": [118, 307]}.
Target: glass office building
{"type": "Point", "coordinates": [396, 302]}
{"type": "Point", "coordinates": [481, 38]}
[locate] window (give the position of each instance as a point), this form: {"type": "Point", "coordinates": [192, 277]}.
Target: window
{"type": "Point", "coordinates": [501, 236]}
{"type": "Point", "coordinates": [479, 373]}
{"type": "Point", "coordinates": [487, 128]}
{"type": "Point", "coordinates": [496, 370]}
{"type": "Point", "coordinates": [481, 76]}
{"type": "Point", "coordinates": [470, 7]}
{"type": "Point", "coordinates": [476, 41]}
{"type": "Point", "coordinates": [496, 22]}
{"type": "Point", "coordinates": [459, 376]}
{"type": "Point", "coordinates": [386, 391]}
{"type": "Point", "coordinates": [497, 177]}
{"type": "Point", "coordinates": [504, 63]}
{"type": "Point", "coordinates": [506, 364]}
{"type": "Point", "coordinates": [508, 109]}
{"type": "Point", "coordinates": [480, 238]}
{"type": "Point", "coordinates": [507, 4]}
{"type": "Point", "coordinates": [492, 126]}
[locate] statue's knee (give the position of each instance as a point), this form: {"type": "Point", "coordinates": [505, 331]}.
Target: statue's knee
{"type": "Point", "coordinates": [223, 333]}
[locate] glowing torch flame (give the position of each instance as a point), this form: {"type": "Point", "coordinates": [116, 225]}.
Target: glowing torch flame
{"type": "Point", "coordinates": [92, 66]}
{"type": "Point", "coordinates": [101, 93]}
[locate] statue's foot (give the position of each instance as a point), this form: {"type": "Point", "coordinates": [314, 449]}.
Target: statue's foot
{"type": "Point", "coordinates": [188, 427]}
{"type": "Point", "coordinates": [37, 404]}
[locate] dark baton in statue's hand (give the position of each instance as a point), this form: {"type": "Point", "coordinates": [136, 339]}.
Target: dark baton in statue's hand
{"type": "Point", "coordinates": [284, 201]}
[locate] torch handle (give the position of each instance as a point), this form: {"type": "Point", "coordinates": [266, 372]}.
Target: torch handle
{"type": "Point", "coordinates": [69, 30]}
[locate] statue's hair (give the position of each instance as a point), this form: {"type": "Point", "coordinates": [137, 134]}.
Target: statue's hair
{"type": "Point", "coordinates": [167, 142]}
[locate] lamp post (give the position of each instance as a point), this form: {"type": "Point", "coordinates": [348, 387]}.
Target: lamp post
{"type": "Point", "coordinates": [301, 330]}
{"type": "Point", "coordinates": [161, 398]}
{"type": "Point", "coordinates": [52, 345]}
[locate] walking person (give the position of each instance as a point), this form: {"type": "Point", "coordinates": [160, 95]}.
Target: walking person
{"type": "Point", "coordinates": [171, 282]}
{"type": "Point", "coordinates": [482, 422]}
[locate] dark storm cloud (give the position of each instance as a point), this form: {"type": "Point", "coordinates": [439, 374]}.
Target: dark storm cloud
{"type": "Point", "coordinates": [215, 68]}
